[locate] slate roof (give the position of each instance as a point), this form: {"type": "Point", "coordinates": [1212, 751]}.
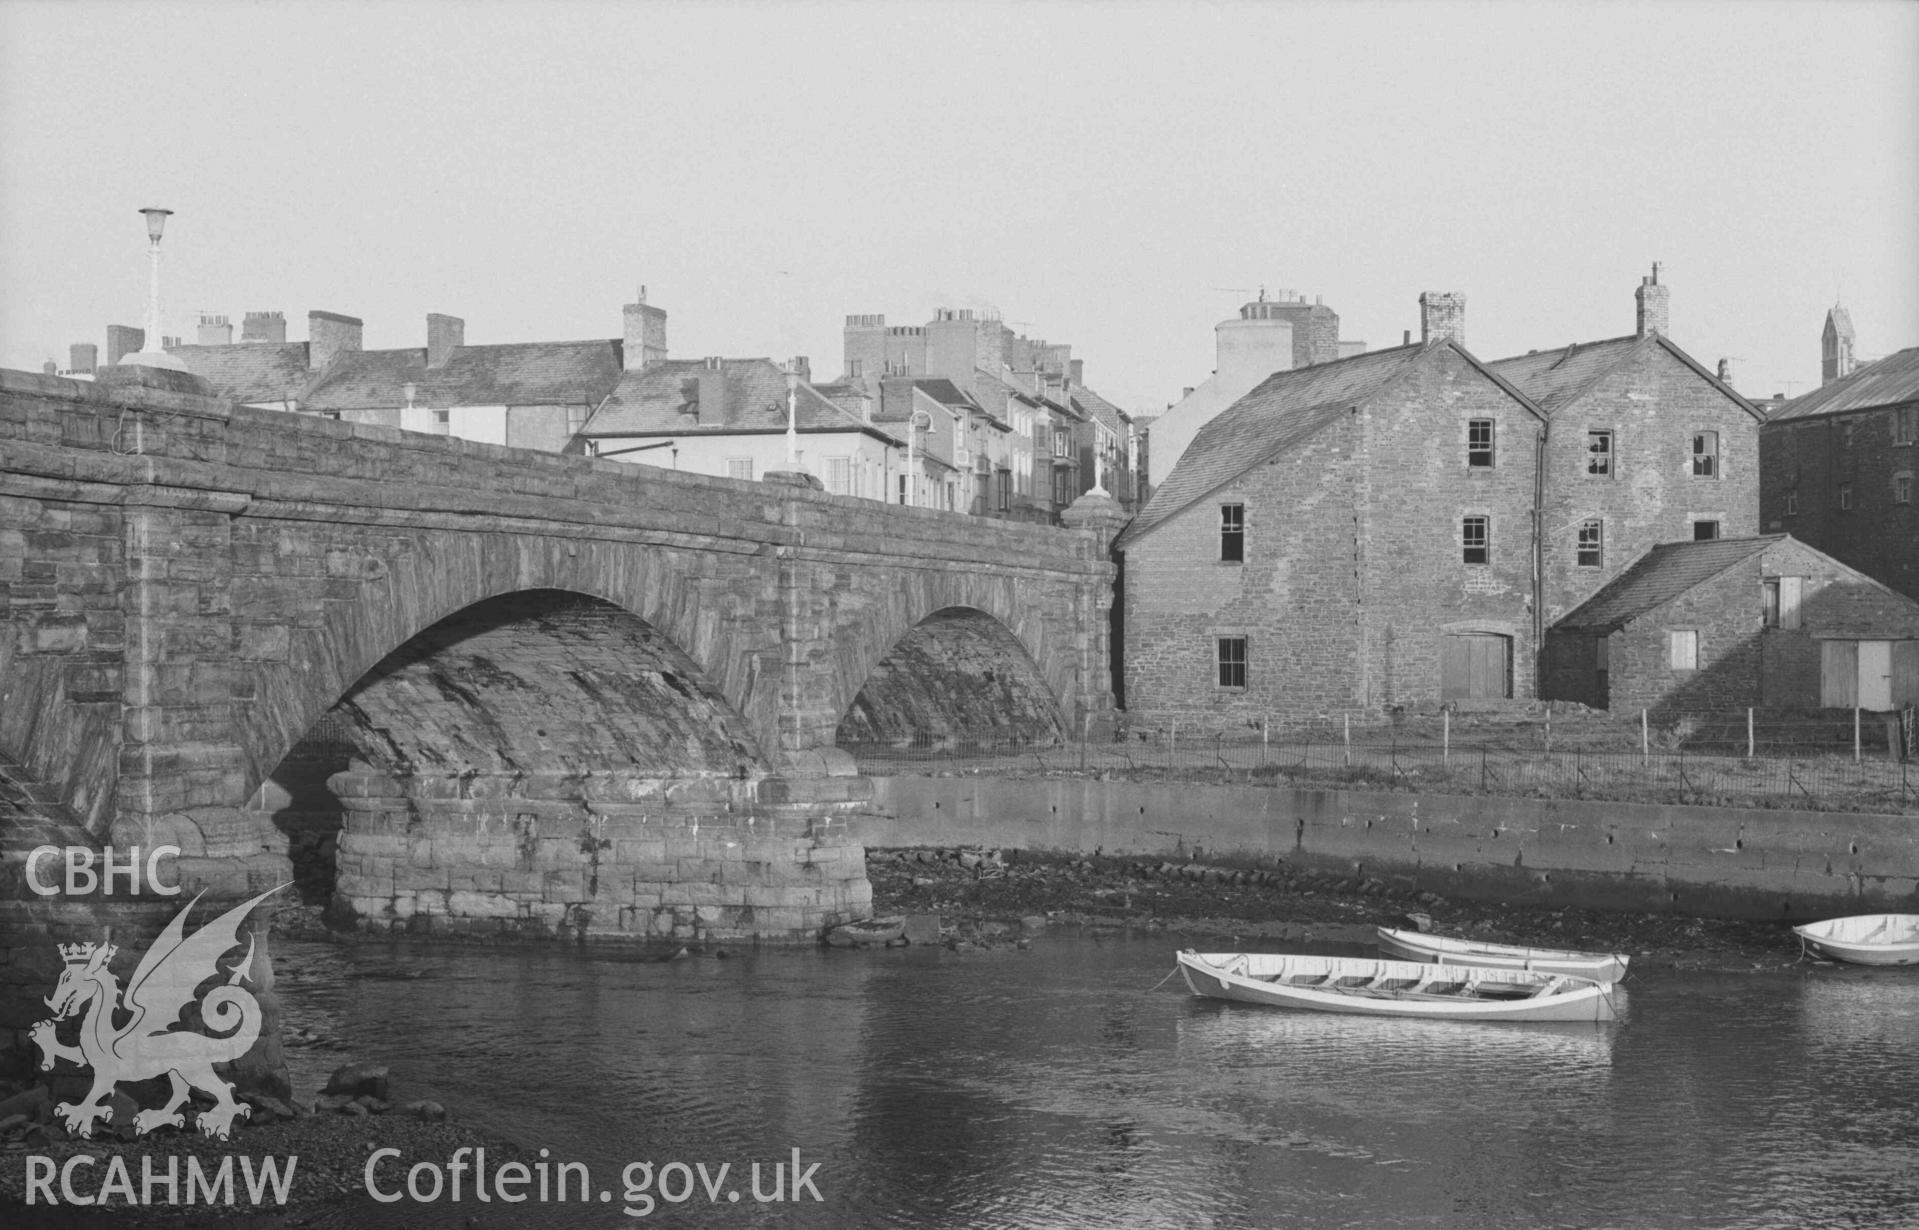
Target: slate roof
{"type": "Point", "coordinates": [527, 374]}
{"type": "Point", "coordinates": [1101, 409]}
{"type": "Point", "coordinates": [1554, 379]}
{"type": "Point", "coordinates": [656, 401]}
{"type": "Point", "coordinates": [1660, 575]}
{"type": "Point", "coordinates": [1283, 410]}
{"type": "Point", "coordinates": [1890, 381]}
{"type": "Point", "coordinates": [367, 379]}
{"type": "Point", "coordinates": [249, 371]}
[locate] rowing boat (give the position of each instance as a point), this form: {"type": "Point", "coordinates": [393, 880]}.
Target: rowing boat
{"type": "Point", "coordinates": [1442, 950]}
{"type": "Point", "coordinates": [1865, 939]}
{"type": "Point", "coordinates": [1367, 987]}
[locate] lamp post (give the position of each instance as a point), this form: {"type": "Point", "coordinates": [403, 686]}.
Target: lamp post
{"type": "Point", "coordinates": [917, 422]}
{"type": "Point", "coordinates": [152, 353]}
{"type": "Point", "coordinates": [792, 416]}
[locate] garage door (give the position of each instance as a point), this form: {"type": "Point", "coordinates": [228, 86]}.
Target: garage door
{"type": "Point", "coordinates": [1475, 666]}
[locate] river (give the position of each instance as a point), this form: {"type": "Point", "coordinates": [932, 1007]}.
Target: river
{"type": "Point", "coordinates": [1059, 1087]}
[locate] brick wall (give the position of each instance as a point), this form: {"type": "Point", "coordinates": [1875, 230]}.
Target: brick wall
{"type": "Point", "coordinates": [1806, 461]}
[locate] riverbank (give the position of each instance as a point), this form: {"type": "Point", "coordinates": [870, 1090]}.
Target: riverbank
{"type": "Point", "coordinates": [984, 894]}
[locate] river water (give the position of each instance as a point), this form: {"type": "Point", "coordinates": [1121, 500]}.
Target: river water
{"type": "Point", "coordinates": [1056, 1087]}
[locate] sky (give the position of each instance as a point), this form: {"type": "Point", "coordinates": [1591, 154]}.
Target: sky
{"type": "Point", "coordinates": [1119, 177]}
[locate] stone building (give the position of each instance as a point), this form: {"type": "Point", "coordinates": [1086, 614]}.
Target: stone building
{"type": "Point", "coordinates": [1645, 446]}
{"type": "Point", "coordinates": [1838, 469]}
{"type": "Point", "coordinates": [1737, 622]}
{"type": "Point", "coordinates": [1399, 528]}
{"type": "Point", "coordinates": [1338, 540]}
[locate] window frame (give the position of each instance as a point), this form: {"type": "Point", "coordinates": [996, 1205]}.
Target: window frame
{"type": "Point", "coordinates": [1711, 467]}
{"type": "Point", "coordinates": [1477, 449]}
{"type": "Point", "coordinates": [1699, 522]}
{"type": "Point", "coordinates": [1606, 458]}
{"type": "Point", "coordinates": [1227, 666]}
{"type": "Point", "coordinates": [1792, 503]}
{"type": "Point", "coordinates": [1845, 497]}
{"type": "Point", "coordinates": [1483, 522]}
{"type": "Point", "coordinates": [1597, 547]}
{"type": "Point", "coordinates": [845, 464]}
{"type": "Point", "coordinates": [1902, 488]}
{"type": "Point", "coordinates": [1232, 533]}
{"type": "Point", "coordinates": [1905, 425]}
{"type": "Point", "coordinates": [733, 465]}
{"type": "Point", "coordinates": [1691, 644]}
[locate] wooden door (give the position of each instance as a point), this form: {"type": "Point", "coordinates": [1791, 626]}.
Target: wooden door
{"type": "Point", "coordinates": [1905, 673]}
{"type": "Point", "coordinates": [1475, 666]}
{"type": "Point", "coordinates": [1838, 674]}
{"type": "Point", "coordinates": [1875, 675]}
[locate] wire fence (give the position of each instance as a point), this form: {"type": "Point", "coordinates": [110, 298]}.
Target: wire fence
{"type": "Point", "coordinates": [1822, 761]}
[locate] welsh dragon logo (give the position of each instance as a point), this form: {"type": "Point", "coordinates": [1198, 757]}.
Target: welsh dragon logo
{"type": "Point", "coordinates": [142, 1042]}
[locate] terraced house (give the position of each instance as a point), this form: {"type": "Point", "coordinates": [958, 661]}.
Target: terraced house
{"type": "Point", "coordinates": [1400, 528]}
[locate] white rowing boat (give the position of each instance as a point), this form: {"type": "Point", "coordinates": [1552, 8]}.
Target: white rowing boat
{"type": "Point", "coordinates": [1865, 939]}
{"type": "Point", "coordinates": [1369, 987]}
{"type": "Point", "coordinates": [1442, 950]}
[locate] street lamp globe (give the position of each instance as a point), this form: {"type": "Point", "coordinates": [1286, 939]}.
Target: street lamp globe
{"type": "Point", "coordinates": [156, 222]}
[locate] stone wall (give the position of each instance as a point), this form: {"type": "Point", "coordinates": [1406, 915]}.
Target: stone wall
{"type": "Point", "coordinates": [1353, 567]}
{"type": "Point", "coordinates": [1652, 405]}
{"type": "Point", "coordinates": [1715, 862]}
{"type": "Point", "coordinates": [605, 857]}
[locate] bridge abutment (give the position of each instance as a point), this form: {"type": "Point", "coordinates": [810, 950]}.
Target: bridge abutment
{"type": "Point", "coordinates": [605, 857]}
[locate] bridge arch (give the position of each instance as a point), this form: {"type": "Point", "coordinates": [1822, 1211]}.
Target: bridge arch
{"type": "Point", "coordinates": [958, 676]}
{"type": "Point", "coordinates": [940, 619]}
{"type": "Point", "coordinates": [387, 603]}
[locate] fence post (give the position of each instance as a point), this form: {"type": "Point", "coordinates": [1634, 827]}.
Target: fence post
{"type": "Point", "coordinates": [1349, 740]}
{"type": "Point", "coordinates": [1749, 733]}
{"type": "Point", "coordinates": [1645, 739]}
{"type": "Point", "coordinates": [1172, 746]}
{"type": "Point", "coordinates": [1549, 726]}
{"type": "Point", "coordinates": [1482, 763]}
{"type": "Point", "coordinates": [1855, 734]}
{"type": "Point", "coordinates": [1262, 742]}
{"type": "Point", "coordinates": [1446, 737]}
{"type": "Point", "coordinates": [1082, 740]}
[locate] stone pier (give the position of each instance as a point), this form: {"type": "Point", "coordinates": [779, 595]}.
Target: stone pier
{"type": "Point", "coordinates": [603, 857]}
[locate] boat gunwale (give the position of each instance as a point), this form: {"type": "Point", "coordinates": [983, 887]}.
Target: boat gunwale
{"type": "Point", "coordinates": [1563, 993]}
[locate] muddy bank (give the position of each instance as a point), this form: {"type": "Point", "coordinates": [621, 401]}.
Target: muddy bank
{"type": "Point", "coordinates": [982, 892]}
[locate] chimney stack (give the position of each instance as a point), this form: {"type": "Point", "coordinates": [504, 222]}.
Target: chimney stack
{"type": "Point", "coordinates": [264, 327]}
{"type": "Point", "coordinates": [443, 335]}
{"type": "Point", "coordinates": [330, 334]}
{"type": "Point", "coordinates": [1652, 300]}
{"type": "Point", "coordinates": [804, 367]}
{"type": "Point", "coordinates": [1442, 314]}
{"type": "Point", "coordinates": [214, 331]}
{"type": "Point", "coordinates": [83, 358]}
{"type": "Point", "coordinates": [1725, 371]}
{"type": "Point", "coordinates": [645, 335]}
{"type": "Point", "coordinates": [123, 340]}
{"type": "Point", "coordinates": [50, 368]}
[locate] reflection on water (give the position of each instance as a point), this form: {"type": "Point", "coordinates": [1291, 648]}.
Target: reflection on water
{"type": "Point", "coordinates": [1057, 1088]}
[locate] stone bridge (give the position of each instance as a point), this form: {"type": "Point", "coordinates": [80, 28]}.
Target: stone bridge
{"type": "Point", "coordinates": [548, 692]}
